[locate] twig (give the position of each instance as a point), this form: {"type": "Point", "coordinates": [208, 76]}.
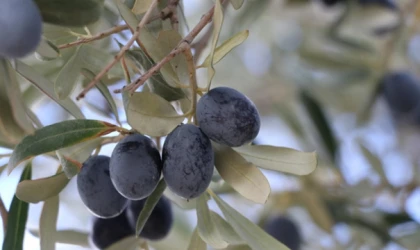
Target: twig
{"type": "Point", "coordinates": [172, 6]}
{"type": "Point", "coordinates": [193, 82]}
{"type": "Point", "coordinates": [180, 48]}
{"type": "Point", "coordinates": [4, 214]}
{"type": "Point", "coordinates": [122, 51]}
{"type": "Point", "coordinates": [99, 36]}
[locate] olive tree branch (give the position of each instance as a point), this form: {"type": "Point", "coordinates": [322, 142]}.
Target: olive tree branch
{"type": "Point", "coordinates": [180, 48]}
{"type": "Point", "coordinates": [99, 36]}
{"type": "Point", "coordinates": [122, 51]}
{"type": "Point", "coordinates": [4, 214]}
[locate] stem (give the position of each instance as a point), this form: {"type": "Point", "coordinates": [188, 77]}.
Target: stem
{"type": "Point", "coordinates": [193, 82]}
{"type": "Point", "coordinates": [4, 215]}
{"type": "Point", "coordinates": [99, 36]}
{"type": "Point", "coordinates": [122, 51]}
{"type": "Point", "coordinates": [180, 48]}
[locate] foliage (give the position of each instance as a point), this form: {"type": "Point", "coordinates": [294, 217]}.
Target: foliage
{"type": "Point", "coordinates": [150, 66]}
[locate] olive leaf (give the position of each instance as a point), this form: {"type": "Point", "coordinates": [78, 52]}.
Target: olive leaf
{"type": "Point", "coordinates": [74, 13]}
{"type": "Point", "coordinates": [128, 243]}
{"type": "Point", "coordinates": [70, 237]}
{"type": "Point", "coordinates": [104, 91]}
{"type": "Point", "coordinates": [34, 191]}
{"type": "Point", "coordinates": [237, 4]}
{"type": "Point", "coordinates": [225, 48]}
{"type": "Point", "coordinates": [141, 6]}
{"type": "Point", "coordinates": [252, 234]}
{"type": "Point", "coordinates": [10, 84]}
{"type": "Point", "coordinates": [217, 27]}
{"type": "Point", "coordinates": [205, 225]}
{"type": "Point", "coordinates": [242, 175]}
{"type": "Point", "coordinates": [149, 205]}
{"type": "Point", "coordinates": [180, 202]}
{"type": "Point", "coordinates": [48, 223]}
{"type": "Point", "coordinates": [320, 121]}
{"type": "Point", "coordinates": [226, 230]}
{"type": "Point", "coordinates": [17, 216]}
{"type": "Point", "coordinates": [56, 136]}
{"type": "Point", "coordinates": [279, 158]}
{"type": "Point", "coordinates": [150, 43]}
{"type": "Point", "coordinates": [152, 115]}
{"type": "Point", "coordinates": [47, 87]}
{"type": "Point", "coordinates": [317, 209]}
{"type": "Point", "coordinates": [46, 50]}
{"type": "Point", "coordinates": [196, 243]}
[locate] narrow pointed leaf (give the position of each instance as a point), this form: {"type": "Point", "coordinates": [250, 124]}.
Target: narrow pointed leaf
{"type": "Point", "coordinates": [226, 230]}
{"type": "Point", "coordinates": [14, 95]}
{"type": "Point", "coordinates": [18, 214]}
{"type": "Point", "coordinates": [56, 136]}
{"type": "Point", "coordinates": [196, 243]}
{"type": "Point", "coordinates": [68, 237]}
{"type": "Point", "coordinates": [128, 243]}
{"type": "Point", "coordinates": [225, 48]}
{"type": "Point", "coordinates": [68, 76]}
{"type": "Point", "coordinates": [48, 223]}
{"type": "Point", "coordinates": [149, 205]}
{"type": "Point", "coordinates": [34, 191]}
{"type": "Point", "coordinates": [104, 91]}
{"type": "Point", "coordinates": [152, 115]}
{"type": "Point", "coordinates": [242, 175]}
{"type": "Point", "coordinates": [217, 27]}
{"type": "Point", "coordinates": [320, 121]}
{"type": "Point", "coordinates": [252, 234]}
{"type": "Point", "coordinates": [206, 227]}
{"type": "Point", "coordinates": [75, 13]}
{"type": "Point", "coordinates": [47, 51]}
{"type": "Point", "coordinates": [47, 87]}
{"type": "Point", "coordinates": [237, 3]}
{"type": "Point", "coordinates": [279, 158]}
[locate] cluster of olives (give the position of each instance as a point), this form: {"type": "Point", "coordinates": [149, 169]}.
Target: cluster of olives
{"type": "Point", "coordinates": [106, 232]}
{"type": "Point", "coordinates": [284, 230]}
{"type": "Point", "coordinates": [107, 185]}
{"type": "Point", "coordinates": [21, 28]}
{"type": "Point", "coordinates": [401, 90]}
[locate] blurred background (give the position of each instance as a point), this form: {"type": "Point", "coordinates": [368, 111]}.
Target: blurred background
{"type": "Point", "coordinates": [315, 72]}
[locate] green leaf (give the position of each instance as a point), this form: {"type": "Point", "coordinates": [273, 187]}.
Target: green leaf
{"type": "Point", "coordinates": [217, 27]}
{"type": "Point", "coordinates": [242, 175]}
{"type": "Point", "coordinates": [152, 115]}
{"type": "Point", "coordinates": [279, 158]}
{"type": "Point", "coordinates": [253, 235]}
{"type": "Point", "coordinates": [73, 13]}
{"type": "Point", "coordinates": [48, 223]}
{"type": "Point", "coordinates": [180, 202]}
{"type": "Point", "coordinates": [11, 85]}
{"type": "Point", "coordinates": [153, 48]}
{"type": "Point", "coordinates": [374, 162]}
{"type": "Point", "coordinates": [196, 243]}
{"type": "Point", "coordinates": [205, 225]}
{"type": "Point", "coordinates": [156, 83]}
{"type": "Point", "coordinates": [47, 87]}
{"type": "Point", "coordinates": [68, 76]}
{"type": "Point", "coordinates": [56, 136]}
{"type": "Point", "coordinates": [141, 6]}
{"type": "Point", "coordinates": [18, 214]}
{"type": "Point", "coordinates": [225, 48]}
{"type": "Point", "coordinates": [149, 205]}
{"type": "Point", "coordinates": [104, 91]}
{"type": "Point", "coordinates": [47, 51]}
{"type": "Point", "coordinates": [128, 243]}
{"type": "Point", "coordinates": [226, 230]}
{"type": "Point", "coordinates": [68, 237]}
{"type": "Point", "coordinates": [320, 121]}
{"type": "Point", "coordinates": [34, 191]}
{"type": "Point", "coordinates": [237, 3]}
{"type": "Point", "coordinates": [317, 209]}
{"type": "Point", "coordinates": [70, 166]}
{"type": "Point", "coordinates": [71, 157]}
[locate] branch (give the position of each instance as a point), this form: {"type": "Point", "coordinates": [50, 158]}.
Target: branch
{"type": "Point", "coordinates": [180, 48]}
{"type": "Point", "coordinates": [99, 36]}
{"type": "Point", "coordinates": [193, 82]}
{"type": "Point", "coordinates": [122, 51]}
